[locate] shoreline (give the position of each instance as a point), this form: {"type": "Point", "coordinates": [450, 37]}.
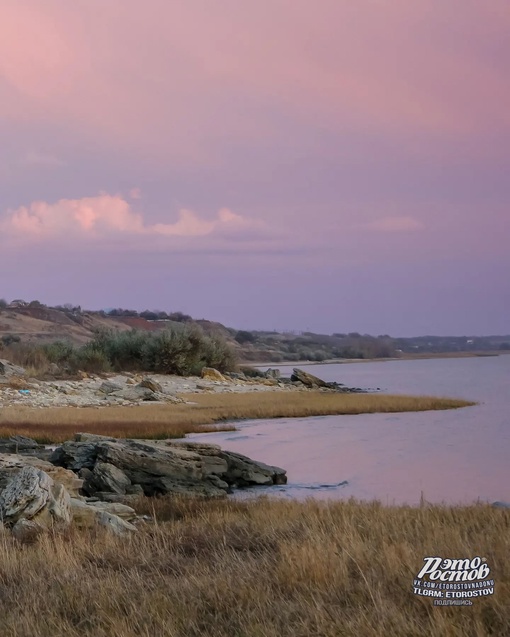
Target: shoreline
{"type": "Point", "coordinates": [345, 361]}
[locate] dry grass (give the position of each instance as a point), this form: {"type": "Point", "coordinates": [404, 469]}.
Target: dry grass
{"type": "Point", "coordinates": [260, 569]}
{"type": "Point", "coordinates": [167, 421]}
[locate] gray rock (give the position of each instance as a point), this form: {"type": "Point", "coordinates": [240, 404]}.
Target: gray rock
{"type": "Point", "coordinates": [75, 455]}
{"type": "Point", "coordinates": [108, 477]}
{"type": "Point", "coordinates": [116, 508]}
{"type": "Point", "coordinates": [243, 471]}
{"type": "Point", "coordinates": [8, 369]}
{"type": "Point", "coordinates": [309, 380]}
{"type": "Point", "coordinates": [115, 525]}
{"type": "Point", "coordinates": [19, 444]}
{"type": "Point", "coordinates": [11, 465]}
{"type": "Point", "coordinates": [501, 505]}
{"type": "Point", "coordinates": [108, 387]}
{"type": "Point", "coordinates": [122, 467]}
{"type": "Point", "coordinates": [32, 494]}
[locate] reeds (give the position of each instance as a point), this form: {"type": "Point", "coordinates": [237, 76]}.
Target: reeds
{"type": "Point", "coordinates": [170, 421]}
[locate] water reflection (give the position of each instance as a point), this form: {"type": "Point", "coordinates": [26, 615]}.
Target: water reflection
{"type": "Point", "coordinates": [455, 456]}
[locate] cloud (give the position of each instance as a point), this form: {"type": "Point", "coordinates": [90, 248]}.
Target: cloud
{"type": "Point", "coordinates": [109, 216]}
{"type": "Point", "coordinates": [395, 224]}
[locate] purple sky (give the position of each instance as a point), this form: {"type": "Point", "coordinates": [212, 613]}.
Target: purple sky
{"type": "Point", "coordinates": [276, 164]}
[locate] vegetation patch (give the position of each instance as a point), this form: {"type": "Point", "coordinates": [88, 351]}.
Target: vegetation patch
{"type": "Point", "coordinates": [173, 421]}
{"type": "Point", "coordinates": [260, 569]}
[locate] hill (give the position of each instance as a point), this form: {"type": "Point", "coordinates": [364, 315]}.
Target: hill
{"type": "Point", "coordinates": [36, 323]}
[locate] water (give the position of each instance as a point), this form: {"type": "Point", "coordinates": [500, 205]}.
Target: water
{"type": "Point", "coordinates": [457, 456]}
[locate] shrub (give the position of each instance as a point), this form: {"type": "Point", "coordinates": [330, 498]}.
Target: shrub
{"type": "Point", "coordinates": [243, 336]}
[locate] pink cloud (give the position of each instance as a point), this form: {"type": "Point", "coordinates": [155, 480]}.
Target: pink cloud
{"type": "Point", "coordinates": [106, 215]}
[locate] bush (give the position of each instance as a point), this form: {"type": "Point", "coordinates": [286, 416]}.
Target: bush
{"type": "Point", "coordinates": [181, 349]}
{"type": "Point", "coordinates": [244, 337]}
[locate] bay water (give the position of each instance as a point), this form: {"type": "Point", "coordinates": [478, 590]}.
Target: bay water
{"type": "Point", "coordinates": [456, 457]}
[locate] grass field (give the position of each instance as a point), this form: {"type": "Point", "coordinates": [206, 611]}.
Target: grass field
{"type": "Point", "coordinates": [260, 569]}
{"type": "Point", "coordinates": [166, 421]}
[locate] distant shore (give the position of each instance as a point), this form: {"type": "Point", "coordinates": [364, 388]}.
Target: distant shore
{"type": "Point", "coordinates": [343, 361]}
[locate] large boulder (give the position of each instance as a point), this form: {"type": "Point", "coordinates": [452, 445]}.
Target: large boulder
{"type": "Point", "coordinates": [31, 494]}
{"type": "Point", "coordinates": [107, 477]}
{"type": "Point", "coordinates": [309, 380]}
{"type": "Point", "coordinates": [7, 369]}
{"type": "Point", "coordinates": [11, 465]}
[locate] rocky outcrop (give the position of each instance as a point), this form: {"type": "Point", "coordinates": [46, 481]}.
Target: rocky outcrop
{"type": "Point", "coordinates": [90, 480]}
{"type": "Point", "coordinates": [32, 495]}
{"type": "Point", "coordinates": [109, 465]}
{"type": "Point", "coordinates": [7, 369]}
{"type": "Point", "coordinates": [309, 380]}
{"type": "Point", "coordinates": [32, 500]}
{"type": "Point", "coordinates": [11, 465]}
{"type": "Point", "coordinates": [313, 382]}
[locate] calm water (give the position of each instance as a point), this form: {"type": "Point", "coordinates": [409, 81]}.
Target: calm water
{"type": "Point", "coordinates": [456, 456]}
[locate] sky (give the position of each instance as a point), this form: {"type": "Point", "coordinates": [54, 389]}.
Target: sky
{"type": "Point", "coordinates": [334, 166]}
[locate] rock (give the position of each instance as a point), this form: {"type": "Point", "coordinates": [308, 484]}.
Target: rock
{"type": "Point", "coordinates": [75, 455]}
{"type": "Point", "coordinates": [32, 494]}
{"type": "Point", "coordinates": [135, 394]}
{"type": "Point", "coordinates": [243, 471]}
{"type": "Point", "coordinates": [309, 380]}
{"type": "Point", "coordinates": [209, 373]}
{"type": "Point", "coordinates": [18, 444]}
{"type": "Point", "coordinates": [130, 499]}
{"type": "Point", "coordinates": [501, 505]}
{"type": "Point", "coordinates": [108, 477]}
{"type": "Point", "coordinates": [133, 467]}
{"type": "Point", "coordinates": [151, 384]}
{"type": "Point", "coordinates": [11, 465]}
{"type": "Point", "coordinates": [27, 531]}
{"type": "Point", "coordinates": [84, 516]}
{"type": "Point", "coordinates": [116, 508]}
{"type": "Point", "coordinates": [7, 369]}
{"type": "Point", "coordinates": [272, 373]}
{"type": "Point", "coordinates": [108, 387]}
{"type": "Point", "coordinates": [115, 525]}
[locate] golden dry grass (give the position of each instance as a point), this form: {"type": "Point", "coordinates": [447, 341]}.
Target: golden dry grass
{"type": "Point", "coordinates": [159, 421]}
{"type": "Point", "coordinates": [261, 569]}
